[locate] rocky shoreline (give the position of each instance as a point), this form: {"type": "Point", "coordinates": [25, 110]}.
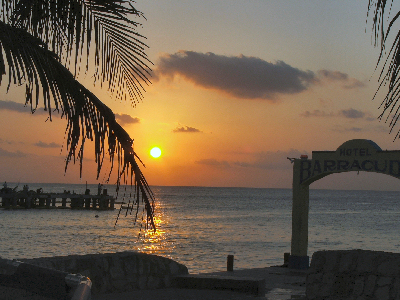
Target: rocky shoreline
{"type": "Point", "coordinates": [121, 271]}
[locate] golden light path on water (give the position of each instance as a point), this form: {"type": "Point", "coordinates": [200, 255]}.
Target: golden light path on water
{"type": "Point", "coordinates": [152, 241]}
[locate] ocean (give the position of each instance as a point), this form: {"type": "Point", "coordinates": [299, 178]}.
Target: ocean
{"type": "Point", "coordinates": [200, 226]}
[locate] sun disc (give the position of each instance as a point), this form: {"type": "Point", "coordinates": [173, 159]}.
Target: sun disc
{"type": "Point", "coordinates": [155, 152]}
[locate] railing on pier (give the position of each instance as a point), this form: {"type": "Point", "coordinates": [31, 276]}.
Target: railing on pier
{"type": "Point", "coordinates": [39, 199]}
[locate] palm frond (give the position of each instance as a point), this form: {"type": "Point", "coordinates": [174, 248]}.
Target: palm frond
{"type": "Point", "coordinates": [68, 26]}
{"type": "Point", "coordinates": [29, 61]}
{"type": "Point", "coordinates": [390, 60]}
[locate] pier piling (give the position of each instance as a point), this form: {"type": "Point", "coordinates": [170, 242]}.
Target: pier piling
{"type": "Point", "coordinates": [38, 199]}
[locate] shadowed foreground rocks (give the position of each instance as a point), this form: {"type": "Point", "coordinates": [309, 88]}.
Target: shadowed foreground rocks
{"type": "Point", "coordinates": [353, 274]}
{"type": "Point", "coordinates": [121, 271]}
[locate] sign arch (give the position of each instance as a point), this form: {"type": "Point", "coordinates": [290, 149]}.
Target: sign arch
{"type": "Point", "coordinates": [353, 155]}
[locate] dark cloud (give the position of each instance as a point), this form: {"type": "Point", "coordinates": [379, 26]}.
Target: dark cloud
{"type": "Point", "coordinates": [186, 129]}
{"type": "Point", "coordinates": [124, 119]}
{"type": "Point", "coordinates": [264, 160]}
{"type": "Point", "coordinates": [240, 76]}
{"type": "Point", "coordinates": [333, 75]}
{"type": "Point", "coordinates": [213, 163]}
{"type": "Point", "coordinates": [355, 129]}
{"type": "Point", "coordinates": [19, 107]}
{"type": "Point", "coordinates": [342, 129]}
{"type": "Point", "coordinates": [348, 83]}
{"type": "Point", "coordinates": [372, 127]}
{"type": "Point", "coordinates": [7, 142]}
{"type": "Point", "coordinates": [353, 83]}
{"type": "Point", "coordinates": [46, 145]}
{"type": "Point", "coordinates": [317, 113]}
{"type": "Point", "coordinates": [350, 113]}
{"type": "Point", "coordinates": [11, 154]}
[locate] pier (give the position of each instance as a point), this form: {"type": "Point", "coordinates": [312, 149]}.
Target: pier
{"type": "Point", "coordinates": [29, 199]}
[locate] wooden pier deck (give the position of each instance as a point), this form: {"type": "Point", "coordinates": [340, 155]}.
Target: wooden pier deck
{"type": "Point", "coordinates": [30, 199]}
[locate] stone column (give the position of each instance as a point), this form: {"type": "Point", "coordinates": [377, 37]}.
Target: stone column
{"type": "Point", "coordinates": [298, 258]}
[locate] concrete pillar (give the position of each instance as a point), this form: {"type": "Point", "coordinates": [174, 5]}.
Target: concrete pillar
{"type": "Point", "coordinates": [53, 202]}
{"type": "Point", "coordinates": [48, 202]}
{"type": "Point", "coordinates": [74, 203]}
{"type": "Point", "coordinates": [87, 203]}
{"type": "Point", "coordinates": [229, 263]}
{"type": "Point", "coordinates": [14, 201]}
{"type": "Point", "coordinates": [298, 258]}
{"type": "Point", "coordinates": [6, 202]}
{"type": "Point", "coordinates": [81, 202]}
{"type": "Point", "coordinates": [64, 202]}
{"type": "Point", "coordinates": [102, 203]}
{"type": "Point", "coordinates": [28, 202]}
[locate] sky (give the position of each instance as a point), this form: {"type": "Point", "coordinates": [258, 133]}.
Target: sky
{"type": "Point", "coordinates": [237, 87]}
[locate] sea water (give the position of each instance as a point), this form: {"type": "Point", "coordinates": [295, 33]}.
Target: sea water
{"type": "Point", "coordinates": [200, 226]}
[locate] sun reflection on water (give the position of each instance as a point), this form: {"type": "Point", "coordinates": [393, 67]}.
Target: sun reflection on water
{"type": "Point", "coordinates": [155, 241]}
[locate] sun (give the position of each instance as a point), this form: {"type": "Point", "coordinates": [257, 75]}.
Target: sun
{"type": "Point", "coordinates": [155, 152]}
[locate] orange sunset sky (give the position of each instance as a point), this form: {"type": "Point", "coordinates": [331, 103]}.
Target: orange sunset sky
{"type": "Point", "coordinates": [237, 87]}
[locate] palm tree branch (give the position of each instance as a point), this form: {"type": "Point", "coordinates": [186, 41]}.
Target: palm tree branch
{"type": "Point", "coordinates": [87, 117]}
{"type": "Point", "coordinates": [70, 25]}
{"type": "Point", "coordinates": [390, 66]}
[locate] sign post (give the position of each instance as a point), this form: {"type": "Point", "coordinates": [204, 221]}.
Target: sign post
{"type": "Point", "coordinates": [353, 155]}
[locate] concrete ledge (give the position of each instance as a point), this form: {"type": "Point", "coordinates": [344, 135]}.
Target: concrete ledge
{"type": "Point", "coordinates": [20, 280]}
{"type": "Point", "coordinates": [255, 286]}
{"type": "Point", "coordinates": [299, 262]}
{"type": "Point", "coordinates": [117, 272]}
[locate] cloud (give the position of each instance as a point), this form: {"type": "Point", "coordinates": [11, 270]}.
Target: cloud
{"type": "Point", "coordinates": [263, 160]}
{"type": "Point", "coordinates": [186, 129]}
{"type": "Point", "coordinates": [272, 160]}
{"type": "Point", "coordinates": [124, 119]}
{"type": "Point", "coordinates": [6, 141]}
{"type": "Point", "coordinates": [342, 129]}
{"type": "Point", "coordinates": [213, 163]}
{"type": "Point", "coordinates": [240, 76]}
{"type": "Point", "coordinates": [316, 113]}
{"type": "Point", "coordinates": [348, 83]}
{"type": "Point", "coordinates": [368, 128]}
{"type": "Point", "coordinates": [350, 113]}
{"type": "Point", "coordinates": [333, 75]}
{"type": "Point", "coordinates": [11, 154]}
{"type": "Point", "coordinates": [19, 107]}
{"type": "Point", "coordinates": [46, 145]}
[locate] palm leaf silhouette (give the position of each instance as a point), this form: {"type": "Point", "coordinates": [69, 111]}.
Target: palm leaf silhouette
{"type": "Point", "coordinates": [390, 60]}
{"type": "Point", "coordinates": [40, 40]}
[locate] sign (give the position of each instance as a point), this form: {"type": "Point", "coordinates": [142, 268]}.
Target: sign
{"type": "Point", "coordinates": [353, 155]}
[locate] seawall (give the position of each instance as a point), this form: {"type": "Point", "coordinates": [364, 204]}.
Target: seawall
{"type": "Point", "coordinates": [354, 274]}
{"type": "Point", "coordinates": [121, 271]}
